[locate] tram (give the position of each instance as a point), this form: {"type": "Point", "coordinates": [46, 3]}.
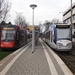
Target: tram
{"type": "Point", "coordinates": [13, 36]}
{"type": "Point", "coordinates": [59, 37]}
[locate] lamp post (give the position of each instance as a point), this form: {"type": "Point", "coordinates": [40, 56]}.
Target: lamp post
{"type": "Point", "coordinates": [33, 6]}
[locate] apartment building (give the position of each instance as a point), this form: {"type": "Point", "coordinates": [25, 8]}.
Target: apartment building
{"type": "Point", "coordinates": [67, 17]}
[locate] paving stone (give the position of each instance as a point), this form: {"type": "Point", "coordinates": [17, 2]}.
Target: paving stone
{"type": "Point", "coordinates": [8, 74]}
{"type": "Point", "coordinates": [30, 63]}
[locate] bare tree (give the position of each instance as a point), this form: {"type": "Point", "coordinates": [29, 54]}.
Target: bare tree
{"type": "Point", "coordinates": [1, 7]}
{"type": "Point", "coordinates": [55, 21]}
{"type": "Point", "coordinates": [47, 24]}
{"type": "Point", "coordinates": [4, 9]}
{"type": "Point", "coordinates": [20, 20]}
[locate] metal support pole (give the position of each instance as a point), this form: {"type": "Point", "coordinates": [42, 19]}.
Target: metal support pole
{"type": "Point", "coordinates": [33, 35]}
{"type": "Point", "coordinates": [71, 15]}
{"type": "Point", "coordinates": [33, 6]}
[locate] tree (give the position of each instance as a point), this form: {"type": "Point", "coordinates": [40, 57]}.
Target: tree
{"type": "Point", "coordinates": [10, 23]}
{"type": "Point", "coordinates": [1, 3]}
{"type": "Point", "coordinates": [55, 21]}
{"type": "Point", "coordinates": [3, 23]}
{"type": "Point", "coordinates": [47, 24]}
{"type": "Point", "coordinates": [4, 9]}
{"type": "Point", "coordinates": [20, 20]}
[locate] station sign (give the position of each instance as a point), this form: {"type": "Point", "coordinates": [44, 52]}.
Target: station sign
{"type": "Point", "coordinates": [30, 27]}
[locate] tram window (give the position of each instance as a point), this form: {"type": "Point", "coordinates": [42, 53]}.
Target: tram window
{"type": "Point", "coordinates": [51, 36]}
{"type": "Point", "coordinates": [48, 35]}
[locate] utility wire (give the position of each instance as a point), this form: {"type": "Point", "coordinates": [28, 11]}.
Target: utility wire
{"type": "Point", "coordinates": [17, 12]}
{"type": "Point", "coordinates": [63, 9]}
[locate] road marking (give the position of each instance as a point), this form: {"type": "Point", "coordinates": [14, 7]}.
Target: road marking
{"type": "Point", "coordinates": [51, 65]}
{"type": "Point", "coordinates": [3, 72]}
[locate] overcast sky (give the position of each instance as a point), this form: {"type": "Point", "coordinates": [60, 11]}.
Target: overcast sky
{"type": "Point", "coordinates": [46, 9]}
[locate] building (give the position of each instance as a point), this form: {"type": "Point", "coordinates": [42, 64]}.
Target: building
{"type": "Point", "coordinates": [67, 17]}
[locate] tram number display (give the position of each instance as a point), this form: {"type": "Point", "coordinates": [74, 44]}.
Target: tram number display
{"type": "Point", "coordinates": [62, 26]}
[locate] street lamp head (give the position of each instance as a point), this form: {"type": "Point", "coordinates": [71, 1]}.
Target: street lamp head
{"type": "Point", "coordinates": [33, 6]}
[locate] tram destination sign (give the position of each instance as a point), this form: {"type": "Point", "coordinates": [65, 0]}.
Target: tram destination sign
{"type": "Point", "coordinates": [8, 28]}
{"type": "Point", "coordinates": [62, 26]}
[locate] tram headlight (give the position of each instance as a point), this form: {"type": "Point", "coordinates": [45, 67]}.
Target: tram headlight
{"type": "Point", "coordinates": [1, 45]}
{"type": "Point", "coordinates": [69, 44]}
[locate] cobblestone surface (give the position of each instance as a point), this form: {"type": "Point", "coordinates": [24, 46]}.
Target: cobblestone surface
{"type": "Point", "coordinates": [30, 63]}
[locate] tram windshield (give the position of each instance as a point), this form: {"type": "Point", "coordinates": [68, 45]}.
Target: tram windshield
{"type": "Point", "coordinates": [63, 33]}
{"type": "Point", "coordinates": [8, 35]}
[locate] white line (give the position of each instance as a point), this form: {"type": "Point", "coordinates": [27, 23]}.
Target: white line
{"type": "Point", "coordinates": [10, 55]}
{"type": "Point", "coordinates": [51, 65]}
{"type": "Point", "coordinates": [64, 68]}
{"type": "Point", "coordinates": [3, 72]}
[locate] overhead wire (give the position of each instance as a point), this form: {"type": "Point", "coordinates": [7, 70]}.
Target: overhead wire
{"type": "Point", "coordinates": [63, 9]}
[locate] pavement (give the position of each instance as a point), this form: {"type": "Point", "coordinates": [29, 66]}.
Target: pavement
{"type": "Point", "coordinates": [41, 62]}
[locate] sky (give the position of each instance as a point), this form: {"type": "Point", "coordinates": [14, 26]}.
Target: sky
{"type": "Point", "coordinates": [45, 10]}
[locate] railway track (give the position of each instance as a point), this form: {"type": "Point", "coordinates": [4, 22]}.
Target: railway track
{"type": "Point", "coordinates": [69, 60]}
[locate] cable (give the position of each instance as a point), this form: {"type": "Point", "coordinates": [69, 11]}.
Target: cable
{"type": "Point", "coordinates": [63, 9]}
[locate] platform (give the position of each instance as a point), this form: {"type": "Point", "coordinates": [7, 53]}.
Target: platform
{"type": "Point", "coordinates": [42, 62]}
